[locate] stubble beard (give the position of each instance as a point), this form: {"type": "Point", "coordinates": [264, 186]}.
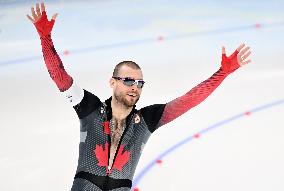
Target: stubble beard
{"type": "Point", "coordinates": [123, 100]}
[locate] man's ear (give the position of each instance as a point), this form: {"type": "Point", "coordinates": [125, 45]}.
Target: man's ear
{"type": "Point", "coordinates": [111, 82]}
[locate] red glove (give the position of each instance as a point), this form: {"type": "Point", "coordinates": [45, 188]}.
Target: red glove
{"type": "Point", "coordinates": [230, 64]}
{"type": "Point", "coordinates": [43, 26]}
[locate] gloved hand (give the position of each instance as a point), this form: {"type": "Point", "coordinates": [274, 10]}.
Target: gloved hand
{"type": "Point", "coordinates": [43, 26]}
{"type": "Point", "coordinates": [237, 59]}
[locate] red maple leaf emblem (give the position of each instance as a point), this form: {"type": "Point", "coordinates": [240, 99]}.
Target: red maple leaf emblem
{"type": "Point", "coordinates": [102, 154]}
{"type": "Point", "coordinates": [119, 162]}
{"type": "Point", "coordinates": [121, 158]}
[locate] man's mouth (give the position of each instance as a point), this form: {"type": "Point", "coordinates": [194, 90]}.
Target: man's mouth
{"type": "Point", "coordinates": [132, 94]}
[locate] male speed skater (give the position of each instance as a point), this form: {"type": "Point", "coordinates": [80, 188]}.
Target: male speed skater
{"type": "Point", "coordinates": [113, 132]}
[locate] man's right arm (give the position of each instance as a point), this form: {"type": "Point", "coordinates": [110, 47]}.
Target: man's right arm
{"type": "Point", "coordinates": [82, 101]}
{"type": "Point", "coordinates": [54, 64]}
{"type": "Point", "coordinates": [52, 60]}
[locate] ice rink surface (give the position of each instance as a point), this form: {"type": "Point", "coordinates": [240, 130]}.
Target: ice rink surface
{"type": "Point", "coordinates": [233, 140]}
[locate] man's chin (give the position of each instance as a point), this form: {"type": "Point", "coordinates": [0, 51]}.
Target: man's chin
{"type": "Point", "coordinates": [131, 101]}
{"type": "Point", "coordinates": [127, 100]}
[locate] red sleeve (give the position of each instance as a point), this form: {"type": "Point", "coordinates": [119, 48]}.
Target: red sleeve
{"type": "Point", "coordinates": [52, 60]}
{"type": "Point", "coordinates": [54, 64]}
{"type": "Point", "coordinates": [195, 96]}
{"type": "Point", "coordinates": [200, 92]}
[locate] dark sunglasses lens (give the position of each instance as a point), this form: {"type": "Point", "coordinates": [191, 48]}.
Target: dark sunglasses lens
{"type": "Point", "coordinates": [140, 84]}
{"type": "Point", "coordinates": [128, 82]}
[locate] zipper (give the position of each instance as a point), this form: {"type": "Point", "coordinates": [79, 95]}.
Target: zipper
{"type": "Point", "coordinates": [121, 138]}
{"type": "Point", "coordinates": [109, 146]}
{"type": "Point", "coordinates": [104, 113]}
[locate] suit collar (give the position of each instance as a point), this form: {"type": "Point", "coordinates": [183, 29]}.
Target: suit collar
{"type": "Point", "coordinates": [109, 110]}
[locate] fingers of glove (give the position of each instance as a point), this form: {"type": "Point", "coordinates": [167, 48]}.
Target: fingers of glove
{"type": "Point", "coordinates": [237, 51]}
{"type": "Point", "coordinates": [245, 62]}
{"type": "Point", "coordinates": [43, 19]}
{"type": "Point", "coordinates": [31, 19]}
{"type": "Point", "coordinates": [38, 10]}
{"type": "Point", "coordinates": [245, 50]}
{"type": "Point", "coordinates": [224, 53]}
{"type": "Point", "coordinates": [54, 16]}
{"type": "Point", "coordinates": [42, 7]}
{"type": "Point", "coordinates": [246, 55]}
{"type": "Point", "coordinates": [34, 14]}
{"type": "Point", "coordinates": [240, 47]}
{"type": "Point", "coordinates": [223, 50]}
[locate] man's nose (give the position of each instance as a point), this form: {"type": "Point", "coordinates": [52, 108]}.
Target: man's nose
{"type": "Point", "coordinates": [134, 86]}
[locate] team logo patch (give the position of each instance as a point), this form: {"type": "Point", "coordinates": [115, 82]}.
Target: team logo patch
{"type": "Point", "coordinates": [137, 119]}
{"type": "Point", "coordinates": [102, 110]}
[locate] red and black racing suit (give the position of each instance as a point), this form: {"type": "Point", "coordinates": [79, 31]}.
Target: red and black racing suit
{"type": "Point", "coordinates": [93, 171]}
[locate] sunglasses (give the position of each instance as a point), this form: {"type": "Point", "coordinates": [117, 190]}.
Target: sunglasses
{"type": "Point", "coordinates": [130, 82]}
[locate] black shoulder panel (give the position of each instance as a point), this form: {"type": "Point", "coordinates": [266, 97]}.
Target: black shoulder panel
{"type": "Point", "coordinates": [89, 103]}
{"type": "Point", "coordinates": [152, 115]}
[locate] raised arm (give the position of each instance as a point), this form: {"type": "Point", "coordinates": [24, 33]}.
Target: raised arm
{"type": "Point", "coordinates": [83, 102]}
{"type": "Point", "coordinates": [52, 60]}
{"type": "Point", "coordinates": [196, 95]}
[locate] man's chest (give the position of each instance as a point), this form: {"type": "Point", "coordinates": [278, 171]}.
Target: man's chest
{"type": "Point", "coordinates": [117, 128]}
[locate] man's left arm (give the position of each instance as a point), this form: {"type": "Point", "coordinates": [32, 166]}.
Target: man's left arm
{"type": "Point", "coordinates": [199, 93]}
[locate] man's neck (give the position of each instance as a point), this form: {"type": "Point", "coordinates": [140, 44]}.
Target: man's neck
{"type": "Point", "coordinates": [119, 111]}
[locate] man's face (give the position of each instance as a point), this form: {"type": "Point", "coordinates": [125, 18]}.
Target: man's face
{"type": "Point", "coordinates": [127, 95]}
